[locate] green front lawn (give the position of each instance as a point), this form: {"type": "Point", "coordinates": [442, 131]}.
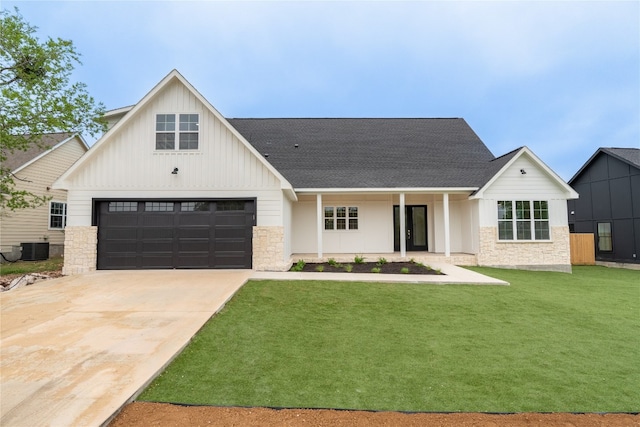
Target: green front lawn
{"type": "Point", "coordinates": [549, 342]}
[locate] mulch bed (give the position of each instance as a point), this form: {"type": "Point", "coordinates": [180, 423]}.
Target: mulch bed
{"type": "Point", "coordinates": [366, 267]}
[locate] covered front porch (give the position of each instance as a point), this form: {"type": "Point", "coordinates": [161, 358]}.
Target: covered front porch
{"type": "Point", "coordinates": [437, 225]}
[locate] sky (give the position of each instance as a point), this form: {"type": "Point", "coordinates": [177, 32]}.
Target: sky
{"type": "Point", "coordinates": [561, 77]}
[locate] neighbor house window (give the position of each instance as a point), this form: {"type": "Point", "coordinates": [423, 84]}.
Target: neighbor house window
{"type": "Point", "coordinates": [523, 220]}
{"type": "Point", "coordinates": [57, 215]}
{"type": "Point", "coordinates": [186, 133]}
{"type": "Point", "coordinates": [605, 241]}
{"type": "Point", "coordinates": [341, 218]}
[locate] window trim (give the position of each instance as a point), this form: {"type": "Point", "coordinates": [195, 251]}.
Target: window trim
{"type": "Point", "coordinates": [63, 215]}
{"type": "Point", "coordinates": [177, 132]}
{"type": "Point", "coordinates": [528, 215]}
{"type": "Point", "coordinates": [347, 218]}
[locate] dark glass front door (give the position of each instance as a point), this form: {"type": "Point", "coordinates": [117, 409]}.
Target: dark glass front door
{"type": "Point", "coordinates": [416, 224]}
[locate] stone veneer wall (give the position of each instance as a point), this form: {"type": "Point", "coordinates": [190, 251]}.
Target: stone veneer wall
{"type": "Point", "coordinates": [268, 249]}
{"type": "Point", "coordinates": [80, 249]}
{"type": "Point", "coordinates": [554, 255]}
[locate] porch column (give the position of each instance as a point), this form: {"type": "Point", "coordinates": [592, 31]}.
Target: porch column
{"type": "Point", "coordinates": [447, 240]}
{"type": "Point", "coordinates": [319, 223]}
{"type": "Point", "coordinates": [403, 228]}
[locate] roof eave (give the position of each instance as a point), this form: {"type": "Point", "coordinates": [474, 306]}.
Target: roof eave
{"type": "Point", "coordinates": [386, 190]}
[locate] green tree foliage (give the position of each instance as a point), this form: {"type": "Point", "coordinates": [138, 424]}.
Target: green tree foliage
{"type": "Point", "coordinates": [36, 98]}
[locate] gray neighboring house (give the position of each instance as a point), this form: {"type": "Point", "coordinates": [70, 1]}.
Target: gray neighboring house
{"type": "Point", "coordinates": [174, 184]}
{"type": "Point", "coordinates": [609, 203]}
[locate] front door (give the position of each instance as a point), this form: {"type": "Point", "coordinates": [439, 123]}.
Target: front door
{"type": "Point", "coordinates": [416, 223]}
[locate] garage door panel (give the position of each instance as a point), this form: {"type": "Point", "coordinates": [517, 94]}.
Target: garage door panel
{"type": "Point", "coordinates": [153, 233]}
{"type": "Point", "coordinates": [175, 234]}
{"type": "Point", "coordinates": [122, 220]}
{"type": "Point", "coordinates": [193, 233]}
{"type": "Point", "coordinates": [157, 220]}
{"type": "Point", "coordinates": [120, 234]}
{"type": "Point", "coordinates": [194, 219]}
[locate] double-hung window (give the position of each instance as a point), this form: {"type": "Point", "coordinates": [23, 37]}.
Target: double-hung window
{"type": "Point", "coordinates": [341, 218]}
{"type": "Point", "coordinates": [523, 220]}
{"type": "Point", "coordinates": [57, 215]}
{"type": "Point", "coordinates": [185, 131]}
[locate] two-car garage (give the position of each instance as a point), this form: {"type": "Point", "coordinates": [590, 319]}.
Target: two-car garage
{"type": "Point", "coordinates": [168, 234]}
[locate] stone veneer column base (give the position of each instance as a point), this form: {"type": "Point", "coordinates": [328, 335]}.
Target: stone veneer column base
{"type": "Point", "coordinates": [554, 255]}
{"type": "Point", "coordinates": [268, 249]}
{"type": "Point", "coordinates": [80, 249]}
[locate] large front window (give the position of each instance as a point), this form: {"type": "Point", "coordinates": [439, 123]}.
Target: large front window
{"type": "Point", "coordinates": [523, 220]}
{"type": "Point", "coordinates": [186, 133]}
{"type": "Point", "coordinates": [340, 218]}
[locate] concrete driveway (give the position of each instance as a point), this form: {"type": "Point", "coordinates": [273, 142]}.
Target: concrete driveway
{"type": "Point", "coordinates": [74, 349]}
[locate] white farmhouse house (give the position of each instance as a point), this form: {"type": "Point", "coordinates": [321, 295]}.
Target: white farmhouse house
{"type": "Point", "coordinates": [174, 184]}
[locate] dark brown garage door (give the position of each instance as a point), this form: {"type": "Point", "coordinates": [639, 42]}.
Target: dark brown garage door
{"type": "Point", "coordinates": [174, 234]}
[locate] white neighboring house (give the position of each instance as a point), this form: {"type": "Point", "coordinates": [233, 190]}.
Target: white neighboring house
{"type": "Point", "coordinates": [174, 184]}
{"type": "Point", "coordinates": [35, 170]}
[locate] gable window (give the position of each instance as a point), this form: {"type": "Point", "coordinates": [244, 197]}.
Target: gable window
{"type": "Point", "coordinates": [340, 218]}
{"type": "Point", "coordinates": [57, 215]}
{"type": "Point", "coordinates": [186, 133]}
{"type": "Point", "coordinates": [605, 241]}
{"type": "Point", "coordinates": [523, 220]}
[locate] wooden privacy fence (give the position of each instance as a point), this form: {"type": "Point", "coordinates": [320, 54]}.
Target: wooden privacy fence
{"type": "Point", "coordinates": [583, 251]}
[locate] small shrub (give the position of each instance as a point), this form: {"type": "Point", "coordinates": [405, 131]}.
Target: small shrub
{"type": "Point", "coordinates": [320, 268]}
{"type": "Point", "coordinates": [348, 268]}
{"type": "Point", "coordinates": [298, 266]}
{"type": "Point", "coordinates": [358, 259]}
{"type": "Point", "coordinates": [332, 262]}
{"type": "Point", "coordinates": [438, 271]}
{"type": "Point", "coordinates": [382, 261]}
{"type": "Point", "coordinates": [404, 270]}
{"type": "Point", "coordinates": [376, 270]}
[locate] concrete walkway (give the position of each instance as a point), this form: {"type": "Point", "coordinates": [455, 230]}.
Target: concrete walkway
{"type": "Point", "coordinates": [74, 350]}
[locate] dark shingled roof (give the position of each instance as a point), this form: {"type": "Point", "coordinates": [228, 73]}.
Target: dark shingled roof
{"type": "Point", "coordinates": [371, 153]}
{"type": "Point", "coordinates": [629, 155]}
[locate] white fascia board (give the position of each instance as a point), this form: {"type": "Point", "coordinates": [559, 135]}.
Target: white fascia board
{"type": "Point", "coordinates": [434, 190]}
{"type": "Point", "coordinates": [59, 144]}
{"type": "Point", "coordinates": [571, 193]}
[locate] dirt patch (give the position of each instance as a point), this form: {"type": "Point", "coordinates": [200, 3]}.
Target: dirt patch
{"type": "Point", "coordinates": [138, 414]}
{"type": "Point", "coordinates": [5, 280]}
{"type": "Point", "coordinates": [367, 267]}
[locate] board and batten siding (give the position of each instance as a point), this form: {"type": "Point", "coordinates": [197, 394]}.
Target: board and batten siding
{"type": "Point", "coordinates": [32, 225]}
{"type": "Point", "coordinates": [128, 166]}
{"type": "Point", "coordinates": [535, 184]}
